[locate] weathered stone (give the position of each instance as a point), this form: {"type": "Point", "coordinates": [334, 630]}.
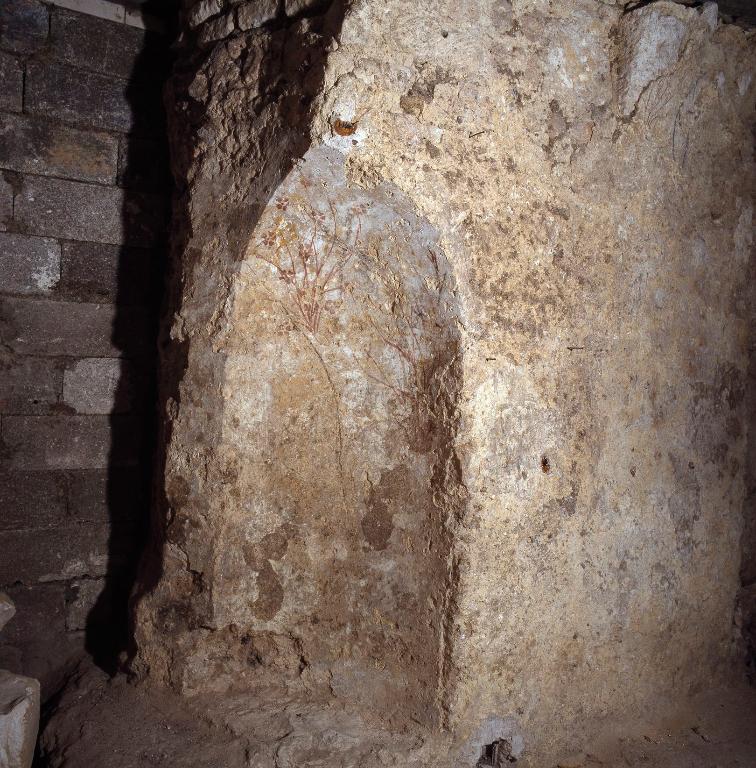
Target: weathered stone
{"type": "Point", "coordinates": [29, 385]}
{"type": "Point", "coordinates": [651, 45]}
{"type": "Point", "coordinates": [82, 597]}
{"type": "Point", "coordinates": [255, 13]}
{"type": "Point", "coordinates": [11, 83]}
{"type": "Point", "coordinates": [101, 272]}
{"type": "Point", "coordinates": [70, 442]}
{"type": "Point", "coordinates": [36, 643]}
{"type": "Point", "coordinates": [49, 149]}
{"type": "Point", "coordinates": [217, 29]}
{"type": "Point", "coordinates": [203, 10]}
{"type": "Point", "coordinates": [456, 432]}
{"type": "Point", "coordinates": [50, 328]}
{"type": "Point", "coordinates": [24, 25]}
{"type": "Point", "coordinates": [295, 7]}
{"type": "Point", "coordinates": [90, 100]}
{"type": "Point", "coordinates": [99, 385]}
{"type": "Point", "coordinates": [142, 163]}
{"type": "Point", "coordinates": [19, 719]}
{"type": "Point", "coordinates": [78, 211]}
{"type": "Point", "coordinates": [28, 264]}
{"type": "Point", "coordinates": [32, 500]}
{"type": "Point", "coordinates": [95, 44]}
{"type": "Point", "coordinates": [6, 204]}
{"type": "Point", "coordinates": [107, 495]}
{"type": "Point", "coordinates": [7, 610]}
{"type": "Point", "coordinates": [54, 554]}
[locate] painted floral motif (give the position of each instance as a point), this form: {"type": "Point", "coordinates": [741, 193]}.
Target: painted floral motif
{"type": "Point", "coordinates": [309, 249]}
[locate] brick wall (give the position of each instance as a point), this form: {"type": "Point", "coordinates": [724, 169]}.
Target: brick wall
{"type": "Point", "coordinates": [83, 195]}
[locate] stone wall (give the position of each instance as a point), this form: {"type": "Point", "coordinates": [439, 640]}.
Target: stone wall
{"type": "Point", "coordinates": [82, 204]}
{"type": "Point", "coordinates": [549, 503]}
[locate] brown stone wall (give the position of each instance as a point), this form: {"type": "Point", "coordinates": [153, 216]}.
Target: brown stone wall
{"type": "Point", "coordinates": [83, 198]}
{"type": "Point", "coordinates": [568, 549]}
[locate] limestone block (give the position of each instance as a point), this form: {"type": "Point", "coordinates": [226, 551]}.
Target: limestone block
{"type": "Point", "coordinates": [19, 719]}
{"type": "Point", "coordinates": [51, 328]}
{"type": "Point", "coordinates": [29, 264]}
{"type": "Point", "coordinates": [33, 146]}
{"type": "Point", "coordinates": [31, 385]}
{"type": "Point", "coordinates": [652, 38]}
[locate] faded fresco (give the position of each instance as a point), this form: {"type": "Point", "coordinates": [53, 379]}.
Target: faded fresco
{"type": "Point", "coordinates": [340, 393]}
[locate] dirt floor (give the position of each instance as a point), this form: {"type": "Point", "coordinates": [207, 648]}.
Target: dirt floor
{"type": "Point", "coordinates": [102, 723]}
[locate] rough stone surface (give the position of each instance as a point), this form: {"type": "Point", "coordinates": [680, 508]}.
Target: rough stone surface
{"type": "Point", "coordinates": [715, 729]}
{"type": "Point", "coordinates": [89, 99]}
{"type": "Point", "coordinates": [29, 264]}
{"type": "Point", "coordinates": [11, 83]}
{"type": "Point", "coordinates": [455, 384]}
{"type": "Point", "coordinates": [85, 42]}
{"type": "Point", "coordinates": [77, 211]}
{"type": "Point", "coordinates": [40, 147]}
{"type": "Point", "coordinates": [49, 328]}
{"type": "Point", "coordinates": [256, 13]}
{"type": "Point", "coordinates": [23, 25]}
{"type": "Point", "coordinates": [99, 385]}
{"type": "Point", "coordinates": [7, 609]}
{"type": "Point", "coordinates": [19, 719]}
{"type": "Point", "coordinates": [71, 442]}
{"type": "Point", "coordinates": [29, 385]}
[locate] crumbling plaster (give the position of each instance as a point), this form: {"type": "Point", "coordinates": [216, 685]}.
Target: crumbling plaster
{"type": "Point", "coordinates": [564, 548]}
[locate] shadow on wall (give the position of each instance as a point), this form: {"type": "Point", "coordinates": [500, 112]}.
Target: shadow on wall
{"type": "Point", "coordinates": [144, 174]}
{"type": "Point", "coordinates": [258, 100]}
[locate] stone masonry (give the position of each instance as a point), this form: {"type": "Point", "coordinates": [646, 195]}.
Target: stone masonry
{"type": "Point", "coordinates": [82, 204]}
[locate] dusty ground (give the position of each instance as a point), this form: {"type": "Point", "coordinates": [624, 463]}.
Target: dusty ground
{"type": "Point", "coordinates": [101, 723]}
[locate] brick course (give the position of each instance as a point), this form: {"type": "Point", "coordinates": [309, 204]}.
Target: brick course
{"type": "Point", "coordinates": [83, 197]}
{"type": "Point", "coordinates": [32, 500]}
{"type": "Point", "coordinates": [85, 42]}
{"type": "Point", "coordinates": [69, 442]}
{"type": "Point", "coordinates": [99, 385]}
{"type": "Point", "coordinates": [77, 211]}
{"type": "Point", "coordinates": [54, 328]}
{"type": "Point", "coordinates": [48, 149]}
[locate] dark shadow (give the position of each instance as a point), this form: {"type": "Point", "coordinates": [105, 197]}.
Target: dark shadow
{"type": "Point", "coordinates": [145, 177]}
{"type": "Point", "coordinates": [223, 205]}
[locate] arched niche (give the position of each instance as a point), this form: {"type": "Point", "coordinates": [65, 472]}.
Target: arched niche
{"type": "Point", "coordinates": [341, 379]}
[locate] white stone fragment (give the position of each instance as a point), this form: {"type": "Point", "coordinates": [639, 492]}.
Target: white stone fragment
{"type": "Point", "coordinates": [652, 41]}
{"type": "Point", "coordinates": [19, 719]}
